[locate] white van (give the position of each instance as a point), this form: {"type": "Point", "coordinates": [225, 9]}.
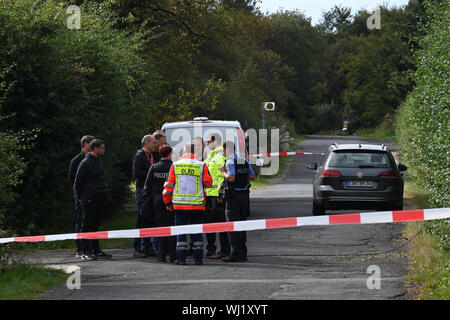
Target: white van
{"type": "Point", "coordinates": [180, 133]}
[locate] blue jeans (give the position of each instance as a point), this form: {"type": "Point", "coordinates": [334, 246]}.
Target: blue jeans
{"type": "Point", "coordinates": [140, 244]}
{"type": "Point", "coordinates": [193, 217]}
{"type": "Point", "coordinates": [155, 243]}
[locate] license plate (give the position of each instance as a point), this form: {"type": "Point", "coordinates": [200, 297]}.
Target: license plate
{"type": "Point", "coordinates": [366, 184]}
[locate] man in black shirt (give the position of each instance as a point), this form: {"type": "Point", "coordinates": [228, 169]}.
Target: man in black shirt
{"type": "Point", "coordinates": [142, 162]}
{"type": "Point", "coordinates": [73, 166]}
{"type": "Point", "coordinates": [92, 190]}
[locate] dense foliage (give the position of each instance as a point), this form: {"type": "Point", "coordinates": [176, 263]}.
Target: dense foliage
{"type": "Point", "coordinates": [11, 169]}
{"type": "Point", "coordinates": [423, 127]}
{"type": "Point", "coordinates": [66, 83]}
{"type": "Point", "coordinates": [134, 65]}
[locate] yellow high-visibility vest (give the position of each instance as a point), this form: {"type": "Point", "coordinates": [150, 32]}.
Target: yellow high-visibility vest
{"type": "Point", "coordinates": [188, 183]}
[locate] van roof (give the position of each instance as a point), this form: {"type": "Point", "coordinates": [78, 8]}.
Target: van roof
{"type": "Point", "coordinates": [206, 123]}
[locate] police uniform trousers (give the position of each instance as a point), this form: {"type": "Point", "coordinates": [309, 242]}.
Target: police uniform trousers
{"type": "Point", "coordinates": [215, 212]}
{"type": "Point", "coordinates": [163, 218]}
{"type": "Point", "coordinates": [94, 211]}
{"type": "Point", "coordinates": [184, 217]}
{"type": "Point", "coordinates": [238, 209]}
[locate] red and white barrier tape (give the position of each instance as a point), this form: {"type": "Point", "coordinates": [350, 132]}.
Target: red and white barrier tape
{"type": "Point", "coordinates": [249, 225]}
{"type": "Point", "coordinates": [279, 154]}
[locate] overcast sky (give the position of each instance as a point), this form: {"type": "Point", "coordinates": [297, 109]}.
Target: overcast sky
{"type": "Point", "coordinates": [314, 8]}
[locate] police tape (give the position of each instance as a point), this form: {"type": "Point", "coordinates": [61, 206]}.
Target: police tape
{"type": "Point", "coordinates": [279, 154]}
{"type": "Point", "coordinates": [250, 225]}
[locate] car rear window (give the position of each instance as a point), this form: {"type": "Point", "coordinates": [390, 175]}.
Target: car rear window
{"type": "Point", "coordinates": [359, 159]}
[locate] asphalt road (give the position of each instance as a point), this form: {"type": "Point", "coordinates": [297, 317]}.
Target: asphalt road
{"type": "Point", "coordinates": [314, 262]}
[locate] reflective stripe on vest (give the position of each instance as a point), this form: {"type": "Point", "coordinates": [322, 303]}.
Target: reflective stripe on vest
{"type": "Point", "coordinates": [189, 183]}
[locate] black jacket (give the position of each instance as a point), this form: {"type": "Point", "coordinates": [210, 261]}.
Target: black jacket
{"type": "Point", "coordinates": [141, 165]}
{"type": "Point", "coordinates": [90, 178]}
{"type": "Point", "coordinates": [156, 157]}
{"type": "Point", "coordinates": [154, 209]}
{"type": "Point", "coordinates": [73, 166]}
{"type": "Point", "coordinates": [156, 177]}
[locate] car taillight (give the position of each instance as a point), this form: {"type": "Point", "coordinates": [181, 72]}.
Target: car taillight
{"type": "Point", "coordinates": [242, 149]}
{"type": "Point", "coordinates": [388, 174]}
{"type": "Point", "coordinates": [330, 173]}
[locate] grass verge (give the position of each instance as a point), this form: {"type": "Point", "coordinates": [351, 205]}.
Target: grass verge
{"type": "Point", "coordinates": [429, 265]}
{"type": "Point", "coordinates": [21, 281]}
{"type": "Point", "coordinates": [125, 219]}
{"type": "Point", "coordinates": [376, 133]}
{"type": "Point", "coordinates": [25, 282]}
{"type": "Point", "coordinates": [332, 133]}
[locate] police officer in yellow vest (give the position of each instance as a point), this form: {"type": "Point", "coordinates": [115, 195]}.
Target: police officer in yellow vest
{"type": "Point", "coordinates": [215, 212]}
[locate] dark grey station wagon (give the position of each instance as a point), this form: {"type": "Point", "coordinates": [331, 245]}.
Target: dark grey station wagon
{"type": "Point", "coordinates": [357, 176]}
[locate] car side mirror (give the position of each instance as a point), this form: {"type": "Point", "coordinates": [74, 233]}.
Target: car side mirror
{"type": "Point", "coordinates": [312, 166]}
{"type": "Point", "coordinates": [402, 167]}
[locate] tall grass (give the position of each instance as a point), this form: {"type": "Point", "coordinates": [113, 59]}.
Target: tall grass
{"type": "Point", "coordinates": [24, 282]}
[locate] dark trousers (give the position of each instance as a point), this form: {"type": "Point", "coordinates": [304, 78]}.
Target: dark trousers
{"type": "Point", "coordinates": [141, 244]}
{"type": "Point", "coordinates": [167, 246]}
{"type": "Point", "coordinates": [237, 209]}
{"type": "Point", "coordinates": [184, 218]}
{"type": "Point", "coordinates": [78, 221]}
{"type": "Point", "coordinates": [94, 211]}
{"type": "Point", "coordinates": [215, 212]}
{"type": "Point", "coordinates": [163, 218]}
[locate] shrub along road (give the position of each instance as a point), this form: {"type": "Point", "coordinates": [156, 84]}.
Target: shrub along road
{"type": "Point", "coordinates": [316, 262]}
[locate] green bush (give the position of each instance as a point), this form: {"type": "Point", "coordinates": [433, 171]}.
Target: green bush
{"type": "Point", "coordinates": [422, 127]}
{"type": "Point", "coordinates": [68, 83]}
{"type": "Point", "coordinates": [11, 170]}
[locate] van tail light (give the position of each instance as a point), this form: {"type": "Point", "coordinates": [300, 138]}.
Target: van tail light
{"type": "Point", "coordinates": [242, 149]}
{"type": "Point", "coordinates": [330, 173]}
{"type": "Point", "coordinates": [388, 174]}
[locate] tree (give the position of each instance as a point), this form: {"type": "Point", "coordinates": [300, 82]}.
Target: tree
{"type": "Point", "coordinates": [364, 71]}
{"type": "Point", "coordinates": [68, 83]}
{"type": "Point", "coordinates": [335, 21]}
{"type": "Point", "coordinates": [376, 82]}
{"type": "Point", "coordinates": [299, 46]}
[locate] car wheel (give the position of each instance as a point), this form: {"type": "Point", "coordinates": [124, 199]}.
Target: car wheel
{"type": "Point", "coordinates": [318, 210]}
